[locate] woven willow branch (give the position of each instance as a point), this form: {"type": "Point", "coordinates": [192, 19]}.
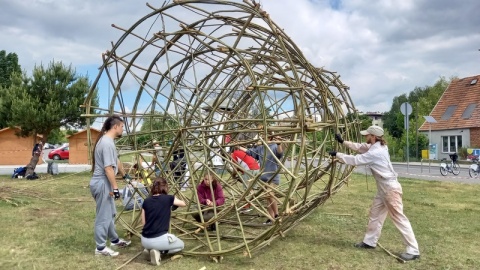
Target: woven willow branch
{"type": "Point", "coordinates": [202, 70]}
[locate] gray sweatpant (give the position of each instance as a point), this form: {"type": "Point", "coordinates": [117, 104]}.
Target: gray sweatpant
{"type": "Point", "coordinates": [167, 242]}
{"type": "Point", "coordinates": [105, 212]}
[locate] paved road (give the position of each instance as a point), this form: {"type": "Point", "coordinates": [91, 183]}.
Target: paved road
{"type": "Point", "coordinates": [432, 173]}
{"type": "Point", "coordinates": [415, 170]}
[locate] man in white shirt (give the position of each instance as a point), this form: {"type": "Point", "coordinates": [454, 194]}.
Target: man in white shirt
{"type": "Point", "coordinates": [388, 199]}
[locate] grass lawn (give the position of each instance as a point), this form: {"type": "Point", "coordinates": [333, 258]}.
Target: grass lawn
{"type": "Point", "coordinates": [50, 226]}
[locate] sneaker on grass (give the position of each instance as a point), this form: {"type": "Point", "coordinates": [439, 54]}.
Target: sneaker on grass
{"type": "Point", "coordinates": [106, 252]}
{"type": "Point", "coordinates": [146, 254]}
{"type": "Point", "coordinates": [120, 244]}
{"type": "Point", "coordinates": [246, 209]}
{"type": "Point", "coordinates": [155, 257]}
{"type": "Point", "coordinates": [268, 222]}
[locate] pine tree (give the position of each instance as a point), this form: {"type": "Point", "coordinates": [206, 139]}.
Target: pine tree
{"type": "Point", "coordinates": [50, 99]}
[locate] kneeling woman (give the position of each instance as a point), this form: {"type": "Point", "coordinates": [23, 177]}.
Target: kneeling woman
{"type": "Point", "coordinates": [156, 212]}
{"type": "Point", "coordinates": [210, 194]}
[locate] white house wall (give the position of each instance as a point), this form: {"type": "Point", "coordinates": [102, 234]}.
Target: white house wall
{"type": "Point", "coordinates": [437, 138]}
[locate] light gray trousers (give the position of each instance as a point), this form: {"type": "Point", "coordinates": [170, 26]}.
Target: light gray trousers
{"type": "Point", "coordinates": [105, 212]}
{"type": "Point", "coordinates": [167, 242]}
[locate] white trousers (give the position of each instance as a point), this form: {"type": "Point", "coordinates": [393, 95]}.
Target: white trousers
{"type": "Point", "coordinates": [390, 203]}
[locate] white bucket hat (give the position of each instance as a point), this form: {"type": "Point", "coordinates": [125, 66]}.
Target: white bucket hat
{"type": "Point", "coordinates": [374, 130]}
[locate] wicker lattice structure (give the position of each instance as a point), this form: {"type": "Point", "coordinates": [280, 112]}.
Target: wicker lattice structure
{"type": "Point", "coordinates": [205, 76]}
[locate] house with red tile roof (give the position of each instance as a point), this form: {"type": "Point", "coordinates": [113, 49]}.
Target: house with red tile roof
{"type": "Point", "coordinates": [457, 116]}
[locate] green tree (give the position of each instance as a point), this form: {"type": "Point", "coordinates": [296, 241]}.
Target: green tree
{"type": "Point", "coordinates": [422, 99]}
{"type": "Point", "coordinates": [412, 147]}
{"type": "Point", "coordinates": [57, 136]}
{"type": "Point", "coordinates": [159, 127]}
{"type": "Point", "coordinates": [393, 119]}
{"type": "Point", "coordinates": [50, 99]}
{"type": "Point", "coordinates": [8, 67]}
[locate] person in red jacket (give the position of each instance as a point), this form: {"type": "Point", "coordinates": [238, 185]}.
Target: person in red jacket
{"type": "Point", "coordinates": [250, 166]}
{"type": "Point", "coordinates": [210, 194]}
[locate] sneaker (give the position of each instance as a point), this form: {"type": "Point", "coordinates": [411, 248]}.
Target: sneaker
{"type": "Point", "coordinates": [363, 245]}
{"type": "Point", "coordinates": [120, 244]}
{"type": "Point", "coordinates": [409, 257]}
{"type": "Point", "coordinates": [155, 257]}
{"type": "Point", "coordinates": [106, 252]}
{"type": "Point", "coordinates": [268, 222]}
{"type": "Point", "coordinates": [246, 209]}
{"type": "Point", "coordinates": [146, 254]}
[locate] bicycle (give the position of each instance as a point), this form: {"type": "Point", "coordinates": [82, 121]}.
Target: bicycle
{"type": "Point", "coordinates": [452, 167]}
{"type": "Point", "coordinates": [474, 168]}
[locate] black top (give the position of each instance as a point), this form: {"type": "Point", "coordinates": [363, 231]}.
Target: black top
{"type": "Point", "coordinates": [157, 215]}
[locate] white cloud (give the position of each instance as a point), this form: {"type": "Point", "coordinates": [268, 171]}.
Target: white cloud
{"type": "Point", "coordinates": [381, 49]}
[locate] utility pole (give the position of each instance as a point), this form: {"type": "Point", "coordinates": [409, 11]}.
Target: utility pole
{"type": "Point", "coordinates": [416, 129]}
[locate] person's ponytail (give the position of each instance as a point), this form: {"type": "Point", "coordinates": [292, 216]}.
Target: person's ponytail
{"type": "Point", "coordinates": [381, 140]}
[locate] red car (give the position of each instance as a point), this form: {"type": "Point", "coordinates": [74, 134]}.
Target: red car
{"type": "Point", "coordinates": [59, 153]}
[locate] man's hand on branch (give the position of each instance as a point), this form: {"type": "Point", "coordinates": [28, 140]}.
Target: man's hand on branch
{"type": "Point", "coordinates": [277, 139]}
{"type": "Point", "coordinates": [339, 138]}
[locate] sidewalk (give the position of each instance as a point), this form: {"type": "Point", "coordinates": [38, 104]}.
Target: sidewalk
{"type": "Point", "coordinates": [42, 168]}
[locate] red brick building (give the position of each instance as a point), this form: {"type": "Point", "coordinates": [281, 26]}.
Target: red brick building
{"type": "Point", "coordinates": [78, 144]}
{"type": "Point", "coordinates": [15, 150]}
{"type": "Point", "coordinates": [457, 115]}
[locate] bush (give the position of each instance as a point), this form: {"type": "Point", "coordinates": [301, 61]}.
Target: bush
{"type": "Point", "coordinates": [462, 152]}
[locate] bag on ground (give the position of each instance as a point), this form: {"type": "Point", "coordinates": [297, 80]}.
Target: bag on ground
{"type": "Point", "coordinates": [19, 172]}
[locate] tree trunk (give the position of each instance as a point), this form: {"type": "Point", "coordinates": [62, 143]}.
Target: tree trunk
{"type": "Point", "coordinates": [33, 161]}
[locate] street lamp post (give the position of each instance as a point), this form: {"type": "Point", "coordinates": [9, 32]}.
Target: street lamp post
{"type": "Point", "coordinates": [430, 121]}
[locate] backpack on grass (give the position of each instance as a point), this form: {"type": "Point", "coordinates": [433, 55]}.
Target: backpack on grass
{"type": "Point", "coordinates": [32, 176]}
{"type": "Point", "coordinates": [20, 171]}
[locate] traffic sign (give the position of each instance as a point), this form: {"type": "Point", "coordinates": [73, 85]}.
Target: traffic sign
{"type": "Point", "coordinates": [406, 108]}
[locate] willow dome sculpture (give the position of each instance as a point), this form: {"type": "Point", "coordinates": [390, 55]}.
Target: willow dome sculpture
{"type": "Point", "coordinates": [200, 77]}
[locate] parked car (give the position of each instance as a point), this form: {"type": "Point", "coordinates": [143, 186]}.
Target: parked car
{"type": "Point", "coordinates": [48, 146]}
{"type": "Point", "coordinates": [59, 153]}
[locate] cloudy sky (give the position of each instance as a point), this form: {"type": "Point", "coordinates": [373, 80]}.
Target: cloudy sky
{"type": "Point", "coordinates": [381, 48]}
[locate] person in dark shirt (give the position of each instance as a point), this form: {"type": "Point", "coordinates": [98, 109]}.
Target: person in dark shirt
{"type": "Point", "coordinates": [156, 212]}
{"type": "Point", "coordinates": [37, 149]}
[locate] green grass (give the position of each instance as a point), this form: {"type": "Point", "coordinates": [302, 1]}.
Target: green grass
{"type": "Point", "coordinates": [50, 226]}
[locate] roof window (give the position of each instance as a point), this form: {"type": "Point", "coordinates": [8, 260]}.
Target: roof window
{"type": "Point", "coordinates": [448, 113]}
{"type": "Point", "coordinates": [469, 110]}
{"type": "Point", "coordinates": [473, 82]}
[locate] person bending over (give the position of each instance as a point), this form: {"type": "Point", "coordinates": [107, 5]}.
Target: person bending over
{"type": "Point", "coordinates": [388, 200]}
{"type": "Point", "coordinates": [270, 166]}
{"type": "Point", "coordinates": [250, 166]}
